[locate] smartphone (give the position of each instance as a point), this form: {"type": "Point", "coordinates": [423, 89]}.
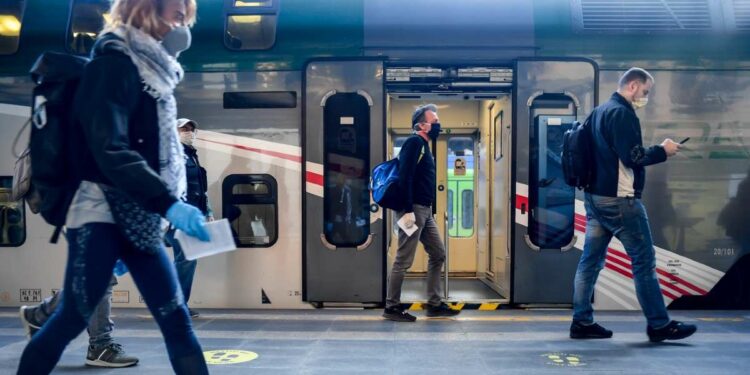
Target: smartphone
{"type": "Point", "coordinates": [684, 140]}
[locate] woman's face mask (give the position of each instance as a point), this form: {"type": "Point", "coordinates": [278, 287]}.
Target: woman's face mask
{"type": "Point", "coordinates": [177, 40]}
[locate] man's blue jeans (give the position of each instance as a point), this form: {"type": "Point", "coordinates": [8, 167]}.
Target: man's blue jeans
{"type": "Point", "coordinates": [100, 325]}
{"type": "Point", "coordinates": [626, 219]}
{"type": "Point", "coordinates": [185, 268]}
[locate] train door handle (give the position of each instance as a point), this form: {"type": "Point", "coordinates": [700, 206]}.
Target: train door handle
{"type": "Point", "coordinates": [523, 208]}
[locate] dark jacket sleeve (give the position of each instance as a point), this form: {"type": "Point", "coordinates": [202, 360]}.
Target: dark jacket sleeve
{"type": "Point", "coordinates": [108, 94]}
{"type": "Point", "coordinates": [408, 158]}
{"type": "Point", "coordinates": [628, 143]}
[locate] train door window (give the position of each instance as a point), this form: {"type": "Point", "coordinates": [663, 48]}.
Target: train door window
{"type": "Point", "coordinates": [87, 19]}
{"type": "Point", "coordinates": [11, 16]}
{"type": "Point", "coordinates": [12, 216]}
{"type": "Point", "coordinates": [346, 170]}
{"type": "Point", "coordinates": [250, 203]}
{"type": "Point", "coordinates": [551, 200]}
{"type": "Point", "coordinates": [250, 24]}
{"type": "Point", "coordinates": [461, 186]}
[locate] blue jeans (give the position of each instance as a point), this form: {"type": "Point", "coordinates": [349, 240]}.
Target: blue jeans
{"type": "Point", "coordinates": [92, 252]}
{"type": "Point", "coordinates": [626, 219]}
{"type": "Point", "coordinates": [185, 268]}
{"type": "Point", "coordinates": [100, 325]}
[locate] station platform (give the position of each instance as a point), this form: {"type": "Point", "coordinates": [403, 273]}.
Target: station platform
{"type": "Point", "coordinates": [349, 341]}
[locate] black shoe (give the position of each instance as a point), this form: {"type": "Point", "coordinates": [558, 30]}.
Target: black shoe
{"type": "Point", "coordinates": [441, 310]}
{"type": "Point", "coordinates": [193, 314]}
{"type": "Point", "coordinates": [398, 315]}
{"type": "Point", "coordinates": [111, 355]}
{"type": "Point", "coordinates": [30, 325]}
{"type": "Point", "coordinates": [673, 331]}
{"type": "Point", "coordinates": [591, 331]}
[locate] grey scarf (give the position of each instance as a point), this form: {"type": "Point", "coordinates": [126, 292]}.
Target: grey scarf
{"type": "Point", "coordinates": [160, 74]}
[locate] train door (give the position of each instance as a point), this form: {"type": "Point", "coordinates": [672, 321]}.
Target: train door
{"type": "Point", "coordinates": [343, 137]}
{"type": "Point", "coordinates": [548, 96]}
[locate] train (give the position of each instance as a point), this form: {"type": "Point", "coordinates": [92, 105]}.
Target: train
{"type": "Point", "coordinates": [296, 101]}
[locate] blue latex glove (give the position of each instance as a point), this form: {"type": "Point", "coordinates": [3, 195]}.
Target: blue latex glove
{"type": "Point", "coordinates": [188, 219]}
{"type": "Point", "coordinates": [120, 268]}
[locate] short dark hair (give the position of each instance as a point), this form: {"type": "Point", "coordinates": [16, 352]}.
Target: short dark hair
{"type": "Point", "coordinates": [418, 116]}
{"type": "Point", "coordinates": [635, 74]}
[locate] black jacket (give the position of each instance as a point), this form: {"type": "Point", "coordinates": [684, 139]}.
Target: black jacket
{"type": "Point", "coordinates": [416, 176]}
{"type": "Point", "coordinates": [197, 181]}
{"type": "Point", "coordinates": [617, 136]}
{"type": "Point", "coordinates": [117, 124]}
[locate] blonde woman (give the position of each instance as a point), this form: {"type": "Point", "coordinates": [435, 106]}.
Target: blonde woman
{"type": "Point", "coordinates": [131, 170]}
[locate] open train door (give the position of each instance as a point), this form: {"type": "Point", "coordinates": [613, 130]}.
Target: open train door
{"type": "Point", "coordinates": [344, 258]}
{"type": "Point", "coordinates": [548, 96]}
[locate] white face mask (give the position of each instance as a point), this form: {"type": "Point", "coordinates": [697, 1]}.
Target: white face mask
{"type": "Point", "coordinates": [187, 138]}
{"type": "Point", "coordinates": [640, 102]}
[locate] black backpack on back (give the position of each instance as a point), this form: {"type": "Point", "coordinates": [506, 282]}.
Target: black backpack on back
{"type": "Point", "coordinates": [52, 186]}
{"type": "Point", "coordinates": [578, 154]}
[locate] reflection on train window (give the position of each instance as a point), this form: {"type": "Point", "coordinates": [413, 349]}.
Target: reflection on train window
{"type": "Point", "coordinates": [250, 203]}
{"type": "Point", "coordinates": [398, 142]}
{"type": "Point", "coordinates": [87, 19]}
{"type": "Point", "coordinates": [11, 15]}
{"type": "Point", "coordinates": [551, 200]}
{"type": "Point", "coordinates": [346, 170]}
{"type": "Point", "coordinates": [12, 216]}
{"type": "Point", "coordinates": [461, 186]}
{"type": "Point", "coordinates": [250, 32]}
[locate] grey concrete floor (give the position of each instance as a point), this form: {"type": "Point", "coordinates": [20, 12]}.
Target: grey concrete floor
{"type": "Point", "coordinates": [361, 342]}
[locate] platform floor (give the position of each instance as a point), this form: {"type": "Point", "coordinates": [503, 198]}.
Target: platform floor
{"type": "Point", "coordinates": [459, 289]}
{"type": "Point", "coordinates": [361, 342]}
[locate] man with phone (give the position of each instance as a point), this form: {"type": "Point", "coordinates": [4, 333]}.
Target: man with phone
{"type": "Point", "coordinates": [614, 208]}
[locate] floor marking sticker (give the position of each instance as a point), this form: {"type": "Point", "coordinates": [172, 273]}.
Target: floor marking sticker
{"type": "Point", "coordinates": [564, 359]}
{"type": "Point", "coordinates": [228, 357]}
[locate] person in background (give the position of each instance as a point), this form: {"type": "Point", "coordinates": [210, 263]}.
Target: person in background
{"type": "Point", "coordinates": [197, 195]}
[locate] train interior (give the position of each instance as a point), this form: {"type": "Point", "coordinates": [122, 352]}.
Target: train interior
{"type": "Point", "coordinates": [473, 159]}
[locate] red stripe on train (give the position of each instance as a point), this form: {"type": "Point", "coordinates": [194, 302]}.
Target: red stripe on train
{"type": "Point", "coordinates": [275, 154]}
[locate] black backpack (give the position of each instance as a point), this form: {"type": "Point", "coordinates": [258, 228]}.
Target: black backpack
{"type": "Point", "coordinates": [52, 186]}
{"type": "Point", "coordinates": [578, 154]}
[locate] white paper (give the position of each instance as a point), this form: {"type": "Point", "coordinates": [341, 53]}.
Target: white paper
{"type": "Point", "coordinates": [402, 224]}
{"type": "Point", "coordinates": [221, 240]}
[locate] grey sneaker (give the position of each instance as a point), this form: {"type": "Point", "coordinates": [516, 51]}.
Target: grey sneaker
{"type": "Point", "coordinates": [111, 355]}
{"type": "Point", "coordinates": [30, 325]}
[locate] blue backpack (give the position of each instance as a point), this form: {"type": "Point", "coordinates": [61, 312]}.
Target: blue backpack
{"type": "Point", "coordinates": [384, 184]}
{"type": "Point", "coordinates": [577, 155]}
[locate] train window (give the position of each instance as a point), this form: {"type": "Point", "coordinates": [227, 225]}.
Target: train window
{"type": "Point", "coordinates": [250, 24]}
{"type": "Point", "coordinates": [12, 216]}
{"type": "Point", "coordinates": [11, 15]}
{"type": "Point", "coordinates": [252, 3]}
{"type": "Point", "coordinates": [87, 19]}
{"type": "Point", "coordinates": [346, 169]}
{"type": "Point", "coordinates": [250, 203]}
{"type": "Point", "coordinates": [260, 99]}
{"type": "Point", "coordinates": [461, 184]}
{"type": "Point", "coordinates": [250, 32]}
{"type": "Point", "coordinates": [467, 211]}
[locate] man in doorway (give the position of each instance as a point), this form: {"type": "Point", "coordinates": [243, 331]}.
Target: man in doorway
{"type": "Point", "coordinates": [417, 176]}
{"type": "Point", "coordinates": [614, 208]}
{"type": "Point", "coordinates": [197, 188]}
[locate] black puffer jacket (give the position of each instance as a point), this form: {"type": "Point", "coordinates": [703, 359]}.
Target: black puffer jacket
{"type": "Point", "coordinates": [117, 124]}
